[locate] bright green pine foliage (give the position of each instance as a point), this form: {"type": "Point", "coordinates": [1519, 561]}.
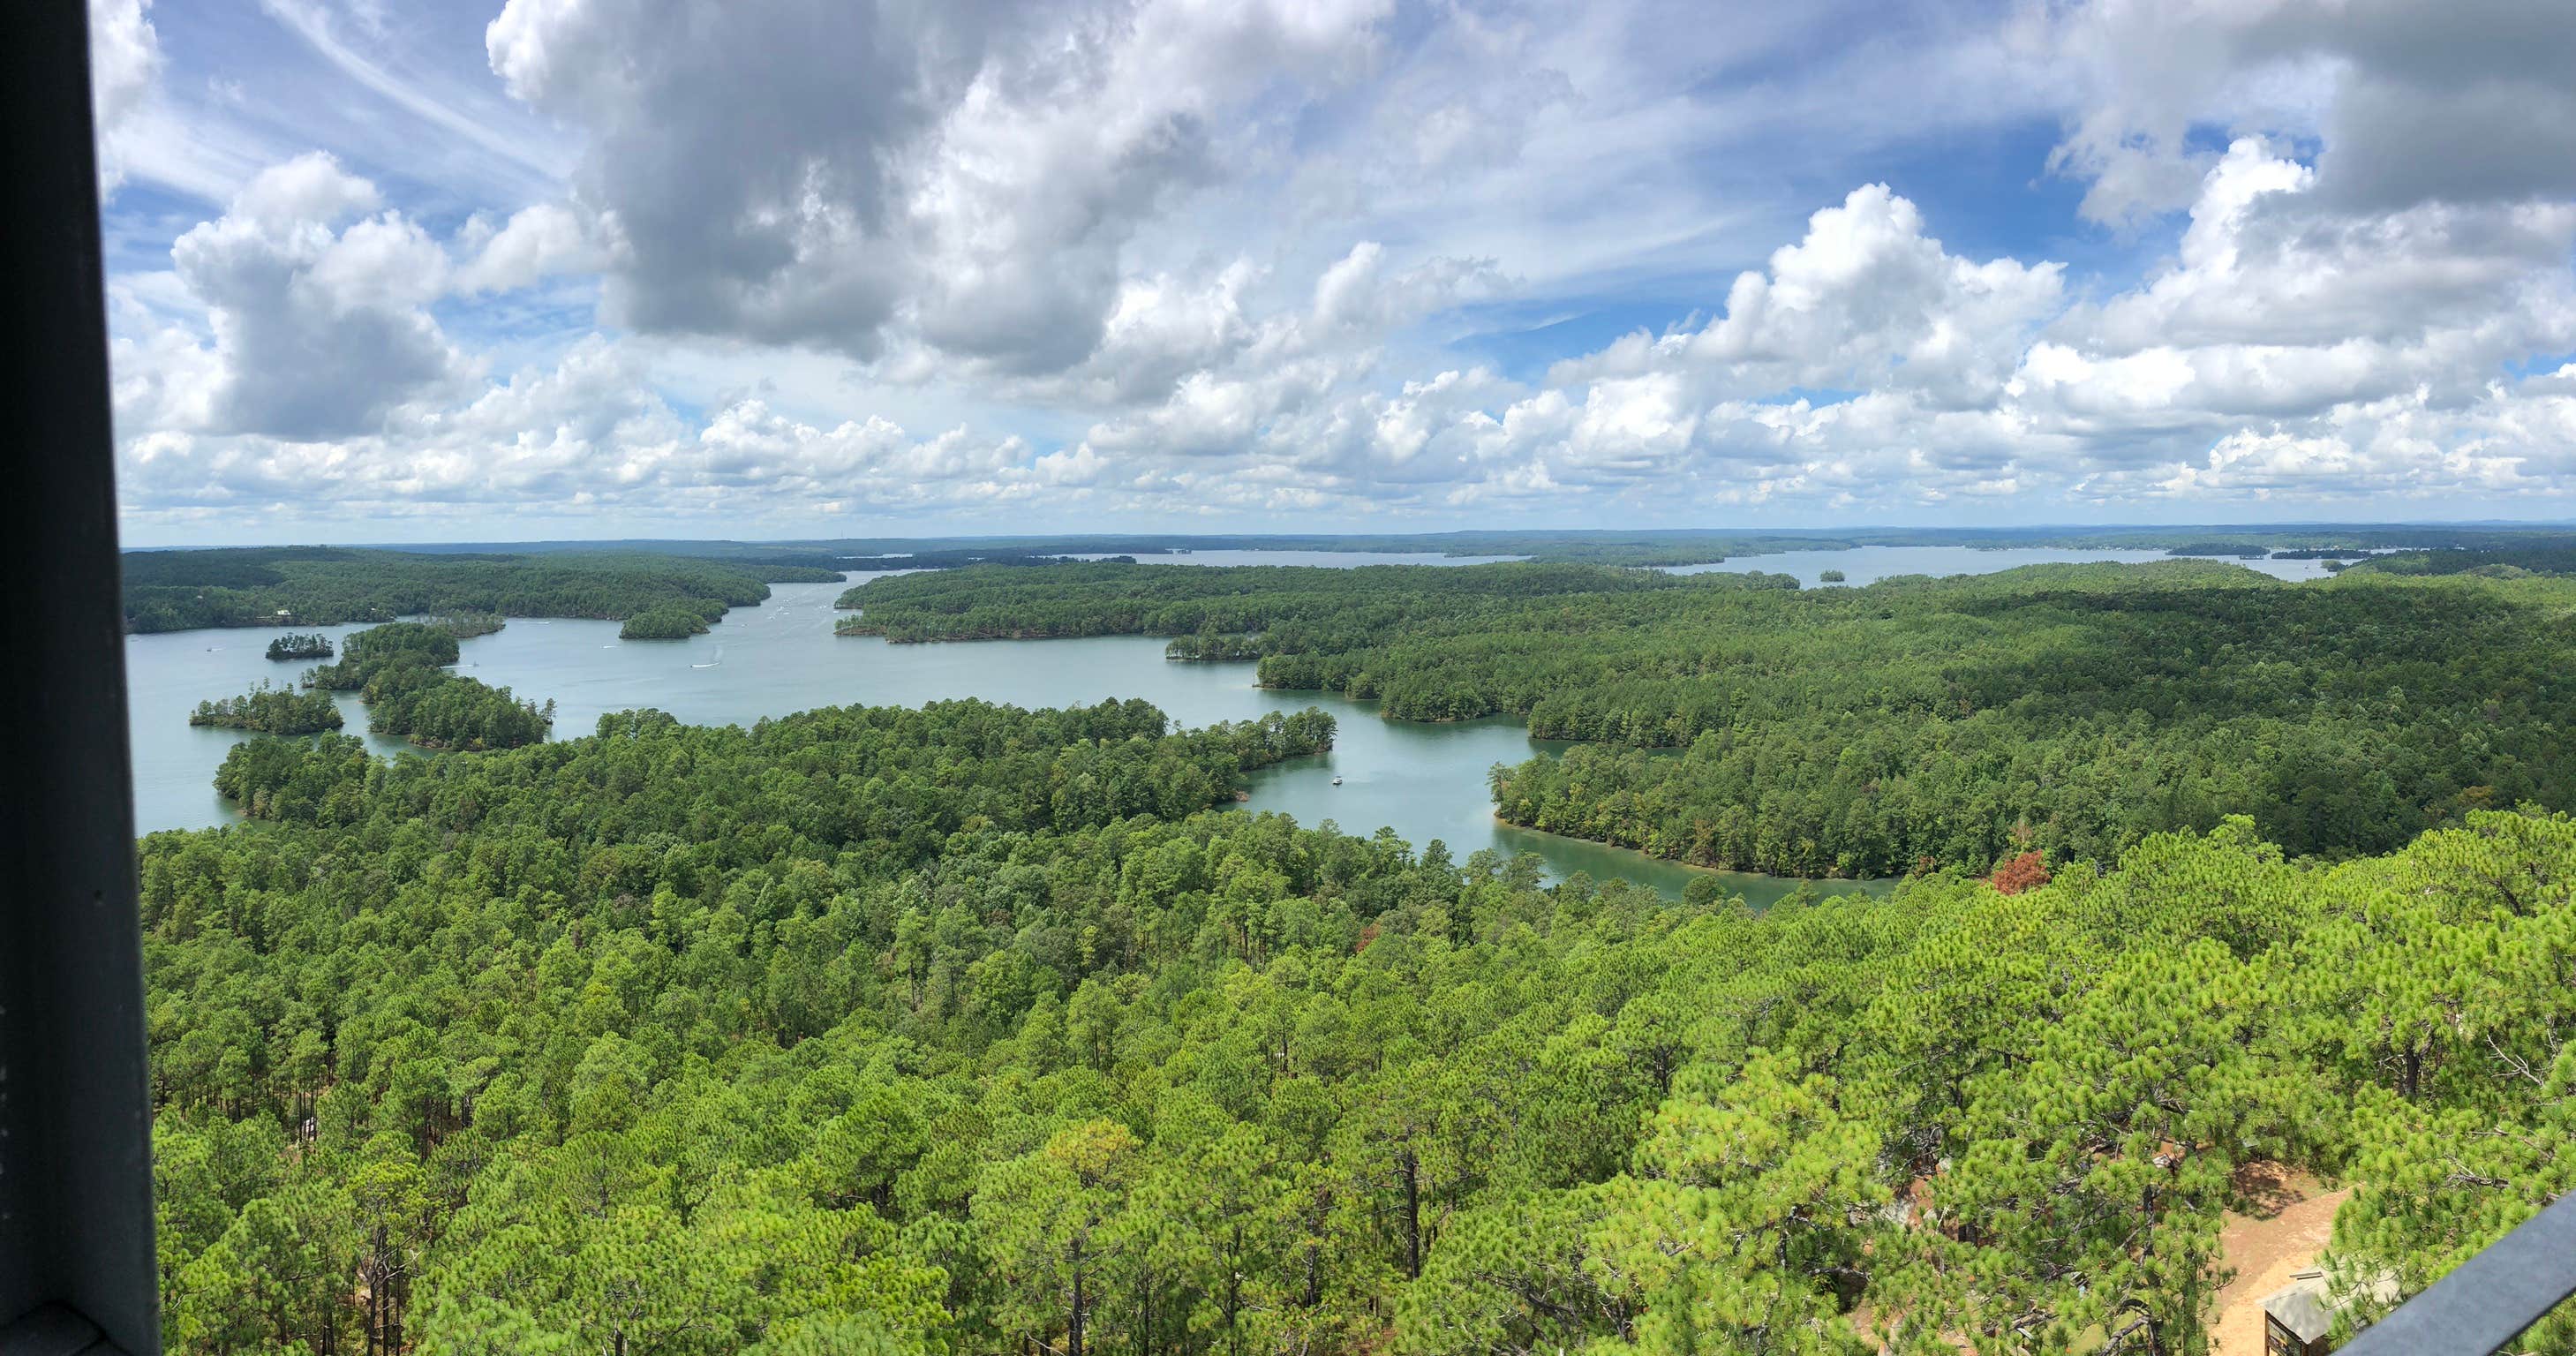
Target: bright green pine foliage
{"type": "Point", "coordinates": [1874, 731]}
{"type": "Point", "coordinates": [966, 1030]}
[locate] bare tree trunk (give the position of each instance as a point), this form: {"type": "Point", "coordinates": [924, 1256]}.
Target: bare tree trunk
{"type": "Point", "coordinates": [1412, 1214]}
{"type": "Point", "coordinates": [1073, 1343]}
{"type": "Point", "coordinates": [1234, 1294]}
{"type": "Point", "coordinates": [1314, 1255]}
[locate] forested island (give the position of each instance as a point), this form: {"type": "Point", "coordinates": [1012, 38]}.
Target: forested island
{"type": "Point", "coordinates": [966, 1029]}
{"type": "Point", "coordinates": [179, 590]}
{"type": "Point", "coordinates": [378, 648]}
{"type": "Point", "coordinates": [267, 709]}
{"type": "Point", "coordinates": [1212, 647]}
{"type": "Point", "coordinates": [398, 670]}
{"type": "Point", "coordinates": [1915, 724]}
{"type": "Point", "coordinates": [669, 621]}
{"type": "Point", "coordinates": [311, 645]}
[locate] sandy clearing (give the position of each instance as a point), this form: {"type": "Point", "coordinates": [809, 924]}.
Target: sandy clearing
{"type": "Point", "coordinates": [2293, 1216]}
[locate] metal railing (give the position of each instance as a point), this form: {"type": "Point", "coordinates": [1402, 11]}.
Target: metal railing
{"type": "Point", "coordinates": [2490, 1299]}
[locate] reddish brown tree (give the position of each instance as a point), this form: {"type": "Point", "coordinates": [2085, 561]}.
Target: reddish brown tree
{"type": "Point", "coordinates": [2028, 871]}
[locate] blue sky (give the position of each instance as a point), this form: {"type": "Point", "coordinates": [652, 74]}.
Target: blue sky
{"type": "Point", "coordinates": [609, 268]}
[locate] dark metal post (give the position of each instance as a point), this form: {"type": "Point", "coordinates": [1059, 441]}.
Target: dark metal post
{"type": "Point", "coordinates": [75, 1112]}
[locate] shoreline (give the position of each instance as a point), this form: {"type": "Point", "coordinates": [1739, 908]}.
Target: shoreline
{"type": "Point", "coordinates": [1874, 886]}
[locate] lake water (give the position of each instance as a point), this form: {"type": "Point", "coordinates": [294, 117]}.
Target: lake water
{"type": "Point", "coordinates": [1423, 781]}
{"type": "Point", "coordinates": [1869, 564]}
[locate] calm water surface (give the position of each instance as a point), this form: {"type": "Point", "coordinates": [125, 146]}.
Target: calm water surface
{"type": "Point", "coordinates": [1423, 781]}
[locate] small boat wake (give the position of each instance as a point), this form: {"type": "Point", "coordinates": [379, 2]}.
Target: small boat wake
{"type": "Point", "coordinates": [712, 662]}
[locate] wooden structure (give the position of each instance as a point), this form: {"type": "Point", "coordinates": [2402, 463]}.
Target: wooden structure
{"type": "Point", "coordinates": [2297, 1317]}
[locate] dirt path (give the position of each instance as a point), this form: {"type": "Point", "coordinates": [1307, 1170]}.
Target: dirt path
{"type": "Point", "coordinates": [2292, 1219]}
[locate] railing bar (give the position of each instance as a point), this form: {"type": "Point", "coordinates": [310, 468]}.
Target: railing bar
{"type": "Point", "coordinates": [2490, 1299]}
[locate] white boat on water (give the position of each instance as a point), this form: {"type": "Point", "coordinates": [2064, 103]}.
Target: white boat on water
{"type": "Point", "coordinates": [712, 662]}
{"type": "Point", "coordinates": [1337, 781]}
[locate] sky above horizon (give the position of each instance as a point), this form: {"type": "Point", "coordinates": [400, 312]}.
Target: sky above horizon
{"type": "Point", "coordinates": [682, 268]}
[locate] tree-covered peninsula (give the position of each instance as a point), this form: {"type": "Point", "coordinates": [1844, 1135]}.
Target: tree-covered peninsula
{"type": "Point", "coordinates": [309, 586]}
{"type": "Point", "coordinates": [268, 709]}
{"type": "Point", "coordinates": [968, 1030]}
{"type": "Point", "coordinates": [1911, 725]}
{"type": "Point", "coordinates": [468, 625]}
{"type": "Point", "coordinates": [300, 645]}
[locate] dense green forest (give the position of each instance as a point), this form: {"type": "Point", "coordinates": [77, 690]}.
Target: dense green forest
{"type": "Point", "coordinates": [968, 1030]}
{"type": "Point", "coordinates": [300, 645]}
{"type": "Point", "coordinates": [2498, 562]}
{"type": "Point", "coordinates": [268, 709]}
{"type": "Point", "coordinates": [398, 670]}
{"type": "Point", "coordinates": [1295, 608]}
{"type": "Point", "coordinates": [666, 621]}
{"type": "Point", "coordinates": [468, 625]}
{"type": "Point", "coordinates": [1910, 725]}
{"type": "Point", "coordinates": [440, 710]}
{"type": "Point", "coordinates": [973, 1031]}
{"type": "Point", "coordinates": [394, 644]}
{"type": "Point", "coordinates": [321, 585]}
